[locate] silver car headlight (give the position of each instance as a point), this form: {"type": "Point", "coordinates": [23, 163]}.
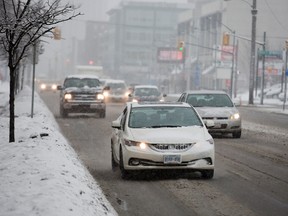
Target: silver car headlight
{"type": "Point", "coordinates": [235, 116]}
{"type": "Point", "coordinates": [141, 145]}
{"type": "Point", "coordinates": [67, 96]}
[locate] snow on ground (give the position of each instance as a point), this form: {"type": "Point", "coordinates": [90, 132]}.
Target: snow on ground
{"type": "Point", "coordinates": [40, 174]}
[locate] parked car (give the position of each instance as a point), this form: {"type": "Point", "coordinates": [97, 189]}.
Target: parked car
{"type": "Point", "coordinates": [157, 136]}
{"type": "Point", "coordinates": [217, 106]}
{"type": "Point", "coordinates": [118, 91]}
{"type": "Point", "coordinates": [145, 93]}
{"type": "Point", "coordinates": [81, 94]}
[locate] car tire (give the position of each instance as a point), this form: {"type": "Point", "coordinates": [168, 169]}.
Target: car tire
{"type": "Point", "coordinates": [236, 134]}
{"type": "Point", "coordinates": [113, 161]}
{"type": "Point", "coordinates": [207, 174]}
{"type": "Point", "coordinates": [124, 173]}
{"type": "Point", "coordinates": [63, 113]}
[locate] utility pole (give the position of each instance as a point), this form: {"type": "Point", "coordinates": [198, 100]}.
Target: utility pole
{"type": "Point", "coordinates": [253, 49]}
{"type": "Point", "coordinates": [286, 74]}
{"type": "Point", "coordinates": [233, 66]}
{"type": "Point", "coordinates": [263, 68]}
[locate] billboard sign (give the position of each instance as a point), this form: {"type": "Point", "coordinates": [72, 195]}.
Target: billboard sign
{"type": "Point", "coordinates": [169, 55]}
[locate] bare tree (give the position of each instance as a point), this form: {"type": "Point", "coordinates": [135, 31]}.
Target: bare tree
{"type": "Point", "coordinates": [22, 23]}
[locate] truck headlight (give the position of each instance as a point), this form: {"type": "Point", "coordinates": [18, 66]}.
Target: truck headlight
{"type": "Point", "coordinates": [67, 96]}
{"type": "Point", "coordinates": [100, 97]}
{"type": "Point", "coordinates": [106, 93]}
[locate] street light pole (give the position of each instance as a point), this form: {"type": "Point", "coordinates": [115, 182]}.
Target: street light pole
{"type": "Point", "coordinates": [233, 67]}
{"type": "Point", "coordinates": [253, 49]}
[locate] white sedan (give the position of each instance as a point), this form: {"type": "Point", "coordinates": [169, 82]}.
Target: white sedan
{"type": "Point", "coordinates": [155, 136]}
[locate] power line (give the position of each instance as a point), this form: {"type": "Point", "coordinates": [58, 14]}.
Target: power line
{"type": "Point", "coordinates": [275, 17]}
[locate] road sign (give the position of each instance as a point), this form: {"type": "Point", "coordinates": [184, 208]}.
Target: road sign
{"type": "Point", "coordinates": [286, 72]}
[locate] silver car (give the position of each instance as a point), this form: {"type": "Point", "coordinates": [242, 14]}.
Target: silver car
{"type": "Point", "coordinates": [217, 106]}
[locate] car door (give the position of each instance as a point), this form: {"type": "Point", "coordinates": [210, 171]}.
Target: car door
{"type": "Point", "coordinates": [120, 133]}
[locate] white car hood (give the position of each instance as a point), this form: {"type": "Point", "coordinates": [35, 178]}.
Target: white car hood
{"type": "Point", "coordinates": [216, 111]}
{"type": "Point", "coordinates": [170, 135]}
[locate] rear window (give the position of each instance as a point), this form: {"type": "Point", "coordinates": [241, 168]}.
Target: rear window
{"type": "Point", "coordinates": [209, 100]}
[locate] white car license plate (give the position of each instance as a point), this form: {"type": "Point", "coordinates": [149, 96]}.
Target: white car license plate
{"type": "Point", "coordinates": [172, 159]}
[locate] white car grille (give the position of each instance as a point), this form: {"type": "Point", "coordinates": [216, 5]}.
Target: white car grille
{"type": "Point", "coordinates": [171, 147]}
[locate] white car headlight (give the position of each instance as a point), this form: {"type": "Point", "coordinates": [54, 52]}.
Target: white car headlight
{"type": "Point", "coordinates": [67, 96]}
{"type": "Point", "coordinates": [142, 145]}
{"type": "Point", "coordinates": [100, 97]}
{"type": "Point", "coordinates": [235, 116]}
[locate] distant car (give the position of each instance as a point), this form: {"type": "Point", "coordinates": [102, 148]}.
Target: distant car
{"type": "Point", "coordinates": [118, 91]}
{"type": "Point", "coordinates": [157, 136]}
{"type": "Point", "coordinates": [217, 106]}
{"type": "Point", "coordinates": [82, 94]}
{"type": "Point", "coordinates": [47, 85]}
{"type": "Point", "coordinates": [145, 93]}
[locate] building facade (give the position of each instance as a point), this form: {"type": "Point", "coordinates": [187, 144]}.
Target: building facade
{"type": "Point", "coordinates": [137, 30]}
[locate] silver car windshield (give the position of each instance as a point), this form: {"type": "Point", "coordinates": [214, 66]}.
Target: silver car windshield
{"type": "Point", "coordinates": [209, 100]}
{"type": "Point", "coordinates": [156, 117]}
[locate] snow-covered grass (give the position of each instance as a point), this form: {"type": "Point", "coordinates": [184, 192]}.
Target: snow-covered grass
{"type": "Point", "coordinates": [40, 174]}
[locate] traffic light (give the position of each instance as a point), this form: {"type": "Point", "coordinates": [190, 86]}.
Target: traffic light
{"type": "Point", "coordinates": [181, 46]}
{"type": "Point", "coordinates": [57, 33]}
{"type": "Point", "coordinates": [226, 38]}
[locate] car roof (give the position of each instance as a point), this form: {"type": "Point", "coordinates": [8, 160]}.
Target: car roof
{"type": "Point", "coordinates": [149, 104]}
{"type": "Point", "coordinates": [81, 76]}
{"type": "Point", "coordinates": [205, 92]}
{"type": "Point", "coordinates": [146, 86]}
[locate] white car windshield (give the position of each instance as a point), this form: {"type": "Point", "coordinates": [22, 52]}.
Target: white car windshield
{"type": "Point", "coordinates": [163, 116]}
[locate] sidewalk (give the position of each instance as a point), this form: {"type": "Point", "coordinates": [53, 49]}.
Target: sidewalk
{"type": "Point", "coordinates": [40, 173]}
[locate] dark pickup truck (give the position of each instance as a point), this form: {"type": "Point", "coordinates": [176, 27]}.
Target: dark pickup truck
{"type": "Point", "coordinates": [82, 94]}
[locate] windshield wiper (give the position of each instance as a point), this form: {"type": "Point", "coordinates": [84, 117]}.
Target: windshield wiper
{"type": "Point", "coordinates": [170, 126]}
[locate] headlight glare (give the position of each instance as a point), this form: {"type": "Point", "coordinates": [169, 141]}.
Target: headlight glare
{"type": "Point", "coordinates": [100, 97]}
{"type": "Point", "coordinates": [67, 96]}
{"type": "Point", "coordinates": [43, 86]}
{"type": "Point", "coordinates": [54, 87]}
{"type": "Point", "coordinates": [142, 145]}
{"type": "Point", "coordinates": [106, 93]}
{"type": "Point", "coordinates": [235, 116]}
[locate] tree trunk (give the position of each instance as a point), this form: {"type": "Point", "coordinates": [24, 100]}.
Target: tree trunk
{"type": "Point", "coordinates": [11, 104]}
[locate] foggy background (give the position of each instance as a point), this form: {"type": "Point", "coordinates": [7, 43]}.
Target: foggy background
{"type": "Point", "coordinates": [272, 17]}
